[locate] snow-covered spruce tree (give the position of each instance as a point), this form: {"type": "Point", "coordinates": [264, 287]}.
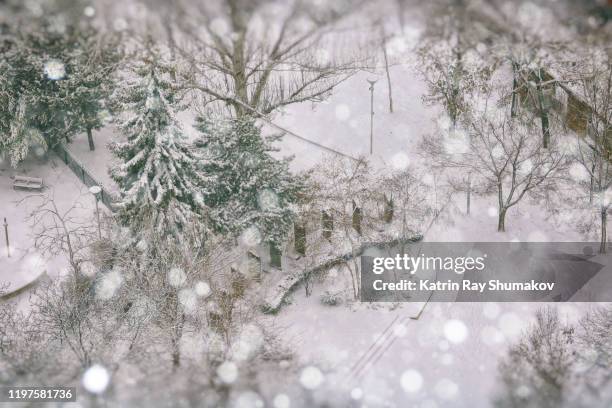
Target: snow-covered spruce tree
{"type": "Point", "coordinates": [247, 187]}
{"type": "Point", "coordinates": [157, 174]}
{"type": "Point", "coordinates": [56, 71]}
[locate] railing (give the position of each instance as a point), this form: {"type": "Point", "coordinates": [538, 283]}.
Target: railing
{"type": "Point", "coordinates": [106, 197]}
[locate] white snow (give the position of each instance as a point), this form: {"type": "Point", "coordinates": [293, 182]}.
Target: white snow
{"type": "Point", "coordinates": [55, 70]}
{"type": "Point", "coordinates": [108, 284]}
{"type": "Point", "coordinates": [27, 264]}
{"type": "Point", "coordinates": [227, 372]}
{"type": "Point", "coordinates": [202, 289]}
{"type": "Point", "coordinates": [411, 381]}
{"type": "Point", "coordinates": [281, 401]}
{"type": "Point", "coordinates": [96, 379]}
{"type": "Point", "coordinates": [176, 277]}
{"type": "Point", "coordinates": [311, 378]}
{"type": "Point", "coordinates": [455, 331]}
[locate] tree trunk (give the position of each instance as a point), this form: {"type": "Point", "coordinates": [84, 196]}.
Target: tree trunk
{"type": "Point", "coordinates": [604, 230]}
{"type": "Point", "coordinates": [592, 185]}
{"type": "Point", "coordinates": [92, 147]}
{"type": "Point", "coordinates": [176, 354]}
{"type": "Point", "coordinates": [501, 223]}
{"type": "Point", "coordinates": [543, 111]}
{"type": "Point", "coordinates": [513, 107]}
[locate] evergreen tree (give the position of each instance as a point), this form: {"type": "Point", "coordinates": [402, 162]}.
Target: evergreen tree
{"type": "Point", "coordinates": [56, 71]}
{"type": "Point", "coordinates": [157, 174]}
{"type": "Point", "coordinates": [247, 187]}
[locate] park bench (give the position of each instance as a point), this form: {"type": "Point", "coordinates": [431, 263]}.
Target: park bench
{"type": "Point", "coordinates": [30, 183]}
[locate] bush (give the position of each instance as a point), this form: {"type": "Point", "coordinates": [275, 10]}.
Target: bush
{"type": "Point", "coordinates": [331, 299]}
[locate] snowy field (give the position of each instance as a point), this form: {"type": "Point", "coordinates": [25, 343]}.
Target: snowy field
{"type": "Point", "coordinates": [26, 262]}
{"type": "Point", "coordinates": [340, 352]}
{"type": "Point", "coordinates": [372, 353]}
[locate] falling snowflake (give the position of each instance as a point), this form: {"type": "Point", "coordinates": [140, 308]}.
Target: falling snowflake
{"type": "Point", "coordinates": [498, 151]}
{"type": "Point", "coordinates": [400, 161]}
{"type": "Point", "coordinates": [356, 393]}
{"type": "Point", "coordinates": [311, 378]}
{"type": "Point", "coordinates": [88, 269]}
{"type": "Point", "coordinates": [492, 212]}
{"type": "Point", "coordinates": [251, 237]}
{"type": "Point", "coordinates": [108, 284]}
{"type": "Point", "coordinates": [176, 277]}
{"type": "Point", "coordinates": [281, 401]}
{"type": "Point", "coordinates": [248, 399]}
{"type": "Point", "coordinates": [55, 70]}
{"type": "Point", "coordinates": [267, 200]}
{"type": "Point", "coordinates": [510, 324]}
{"type": "Point", "coordinates": [202, 289]}
{"type": "Point", "coordinates": [188, 300]}
{"type": "Point", "coordinates": [219, 26]}
{"type": "Point", "coordinates": [491, 310]}
{"type": "Point", "coordinates": [411, 381]}
{"type": "Point", "coordinates": [227, 372]}
{"type": "Point", "coordinates": [322, 56]}
{"type": "Point", "coordinates": [457, 142]}
{"type": "Point", "coordinates": [120, 24]}
{"type": "Point", "coordinates": [251, 339]}
{"type": "Point", "coordinates": [396, 46]}
{"type": "Point", "coordinates": [89, 11]}
{"type": "Point", "coordinates": [400, 330]}
{"type": "Point", "coordinates": [491, 335]}
{"type": "Point", "coordinates": [96, 379]}
{"type": "Point", "coordinates": [343, 112]}
{"type": "Point", "coordinates": [446, 389]}
{"type": "Point", "coordinates": [447, 359]}
{"type": "Point", "coordinates": [523, 391]}
{"type": "Point", "coordinates": [455, 331]}
{"type": "Point", "coordinates": [481, 48]}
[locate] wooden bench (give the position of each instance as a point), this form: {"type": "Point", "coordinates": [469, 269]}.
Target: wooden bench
{"type": "Point", "coordinates": [29, 183]}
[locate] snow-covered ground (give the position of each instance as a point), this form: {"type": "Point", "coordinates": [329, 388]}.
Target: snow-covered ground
{"type": "Point", "coordinates": [445, 358]}
{"type": "Point", "coordinates": [26, 262]}
{"type": "Point", "coordinates": [448, 357]}
{"type": "Point", "coordinates": [101, 159]}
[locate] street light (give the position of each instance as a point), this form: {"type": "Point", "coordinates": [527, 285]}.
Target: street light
{"type": "Point", "coordinates": [96, 190]}
{"type": "Point", "coordinates": [6, 237]}
{"type": "Point", "coordinates": [372, 82]}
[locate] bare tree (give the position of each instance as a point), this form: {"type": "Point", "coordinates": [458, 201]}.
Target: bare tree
{"type": "Point", "coordinates": [538, 370]}
{"type": "Point", "coordinates": [503, 152]}
{"type": "Point", "coordinates": [594, 151]}
{"type": "Point", "coordinates": [345, 190]}
{"type": "Point", "coordinates": [261, 56]}
{"type": "Point", "coordinates": [59, 231]}
{"type": "Point", "coordinates": [594, 339]}
{"type": "Point", "coordinates": [557, 364]}
{"type": "Point", "coordinates": [449, 59]}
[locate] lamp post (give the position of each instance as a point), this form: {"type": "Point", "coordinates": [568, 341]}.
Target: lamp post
{"type": "Point", "coordinates": [8, 247]}
{"type": "Point", "coordinates": [372, 82]}
{"type": "Point", "coordinates": [96, 190]}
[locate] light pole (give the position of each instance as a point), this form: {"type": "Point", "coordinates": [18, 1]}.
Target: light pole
{"type": "Point", "coordinates": [96, 190]}
{"type": "Point", "coordinates": [8, 247]}
{"type": "Point", "coordinates": [372, 82]}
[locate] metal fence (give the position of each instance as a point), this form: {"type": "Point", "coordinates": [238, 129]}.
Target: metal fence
{"type": "Point", "coordinates": [108, 198]}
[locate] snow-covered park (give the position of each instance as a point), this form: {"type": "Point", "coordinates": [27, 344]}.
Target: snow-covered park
{"type": "Point", "coordinates": [188, 192]}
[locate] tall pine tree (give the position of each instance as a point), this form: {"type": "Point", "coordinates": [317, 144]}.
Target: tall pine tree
{"type": "Point", "coordinates": [157, 174]}
{"type": "Point", "coordinates": [246, 186]}
{"type": "Point", "coordinates": [56, 70]}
